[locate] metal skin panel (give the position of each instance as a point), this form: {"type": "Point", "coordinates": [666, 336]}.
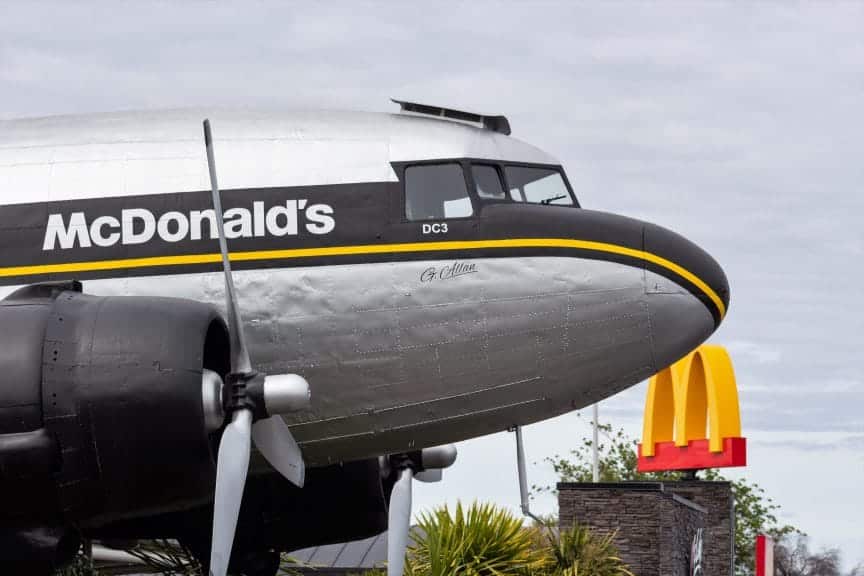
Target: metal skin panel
{"type": "Point", "coordinates": [138, 153]}
{"type": "Point", "coordinates": [397, 361]}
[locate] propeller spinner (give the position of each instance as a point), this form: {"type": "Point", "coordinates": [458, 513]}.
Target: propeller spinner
{"type": "Point", "coordinates": [252, 402]}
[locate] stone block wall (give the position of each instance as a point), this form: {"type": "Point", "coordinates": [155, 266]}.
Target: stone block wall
{"type": "Point", "coordinates": [654, 527]}
{"type": "Point", "coordinates": [719, 537]}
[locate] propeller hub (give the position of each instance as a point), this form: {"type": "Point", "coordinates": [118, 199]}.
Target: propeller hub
{"type": "Point", "coordinates": [424, 465]}
{"type": "Point", "coordinates": [211, 400]}
{"type": "Point", "coordinates": [237, 396]}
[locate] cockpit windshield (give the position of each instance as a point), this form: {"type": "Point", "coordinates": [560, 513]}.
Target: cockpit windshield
{"type": "Point", "coordinates": [537, 185]}
{"type": "Point", "coordinates": [452, 189]}
{"type": "Point", "coordinates": [488, 182]}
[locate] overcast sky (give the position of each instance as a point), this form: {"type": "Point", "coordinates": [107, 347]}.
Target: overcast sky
{"type": "Point", "coordinates": [740, 126]}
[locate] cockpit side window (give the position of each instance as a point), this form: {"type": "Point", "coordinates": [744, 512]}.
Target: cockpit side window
{"type": "Point", "coordinates": [537, 185]}
{"type": "Point", "coordinates": [436, 192]}
{"type": "Point", "coordinates": [488, 182]}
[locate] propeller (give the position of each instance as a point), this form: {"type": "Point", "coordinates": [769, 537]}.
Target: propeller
{"type": "Point", "coordinates": [425, 466]}
{"type": "Point", "coordinates": [252, 403]}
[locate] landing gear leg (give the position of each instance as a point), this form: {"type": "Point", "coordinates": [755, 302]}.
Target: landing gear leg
{"type": "Point", "coordinates": [523, 477]}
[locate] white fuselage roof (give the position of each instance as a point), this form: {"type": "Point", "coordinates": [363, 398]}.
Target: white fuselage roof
{"type": "Point", "coordinates": [137, 153]}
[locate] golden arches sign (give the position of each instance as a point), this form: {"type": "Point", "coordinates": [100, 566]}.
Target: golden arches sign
{"type": "Point", "coordinates": [696, 394]}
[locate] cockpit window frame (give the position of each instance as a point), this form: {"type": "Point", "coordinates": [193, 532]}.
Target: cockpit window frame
{"type": "Point", "coordinates": [553, 167]}
{"type": "Point", "coordinates": [400, 169]}
{"type": "Point", "coordinates": [477, 203]}
{"type": "Point", "coordinates": [499, 168]}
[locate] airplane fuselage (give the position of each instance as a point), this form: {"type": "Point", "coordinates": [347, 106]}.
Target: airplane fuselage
{"type": "Point", "coordinates": [412, 331]}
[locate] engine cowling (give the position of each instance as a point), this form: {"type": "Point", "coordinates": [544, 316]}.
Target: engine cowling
{"type": "Point", "coordinates": [102, 405]}
{"type": "Point", "coordinates": [105, 433]}
{"type": "Point", "coordinates": [338, 503]}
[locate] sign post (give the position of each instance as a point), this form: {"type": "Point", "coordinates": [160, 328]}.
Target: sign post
{"type": "Point", "coordinates": [595, 475]}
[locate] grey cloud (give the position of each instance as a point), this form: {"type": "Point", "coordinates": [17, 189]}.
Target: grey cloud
{"type": "Point", "coordinates": [738, 125]}
{"type": "Point", "coordinates": [853, 442]}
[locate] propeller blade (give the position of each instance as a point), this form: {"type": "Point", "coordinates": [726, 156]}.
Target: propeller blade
{"type": "Point", "coordinates": [273, 439]}
{"type": "Point", "coordinates": [231, 468]}
{"type": "Point", "coordinates": [399, 523]}
{"type": "Point", "coordinates": [239, 354]}
{"type": "Point", "coordinates": [430, 476]}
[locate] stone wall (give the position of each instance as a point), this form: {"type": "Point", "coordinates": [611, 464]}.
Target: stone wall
{"type": "Point", "coordinates": [654, 527]}
{"type": "Point", "coordinates": [716, 497]}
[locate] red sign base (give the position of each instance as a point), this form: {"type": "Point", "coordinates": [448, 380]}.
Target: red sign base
{"type": "Point", "coordinates": [694, 456]}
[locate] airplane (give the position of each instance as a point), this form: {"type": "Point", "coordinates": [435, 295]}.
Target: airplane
{"type": "Point", "coordinates": [405, 280]}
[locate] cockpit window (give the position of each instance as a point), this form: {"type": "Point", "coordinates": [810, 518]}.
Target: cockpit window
{"type": "Point", "coordinates": [435, 192]}
{"type": "Point", "coordinates": [488, 182]}
{"type": "Point", "coordinates": [537, 186]}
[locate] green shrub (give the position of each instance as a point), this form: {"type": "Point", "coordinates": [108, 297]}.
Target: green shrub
{"type": "Point", "coordinates": [579, 552]}
{"type": "Point", "coordinates": [480, 541]}
{"type": "Point", "coordinates": [167, 557]}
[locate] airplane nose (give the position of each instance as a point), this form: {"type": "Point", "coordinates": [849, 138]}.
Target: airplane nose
{"type": "Point", "coordinates": [681, 291]}
{"type": "Point", "coordinates": [686, 291]}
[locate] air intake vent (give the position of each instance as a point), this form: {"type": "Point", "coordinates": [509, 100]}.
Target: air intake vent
{"type": "Point", "coordinates": [494, 123]}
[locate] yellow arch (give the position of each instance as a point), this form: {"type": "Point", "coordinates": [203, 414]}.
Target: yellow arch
{"type": "Point", "coordinates": [693, 394]}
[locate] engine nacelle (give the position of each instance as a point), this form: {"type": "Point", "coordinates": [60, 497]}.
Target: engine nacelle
{"type": "Point", "coordinates": [102, 405]}
{"type": "Point", "coordinates": [338, 503]}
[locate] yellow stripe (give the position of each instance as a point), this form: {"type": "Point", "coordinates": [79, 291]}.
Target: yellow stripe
{"type": "Point", "coordinates": [367, 249]}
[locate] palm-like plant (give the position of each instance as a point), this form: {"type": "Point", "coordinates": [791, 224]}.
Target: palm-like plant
{"type": "Point", "coordinates": [579, 552]}
{"type": "Point", "coordinates": [480, 541]}
{"type": "Point", "coordinates": [167, 557]}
